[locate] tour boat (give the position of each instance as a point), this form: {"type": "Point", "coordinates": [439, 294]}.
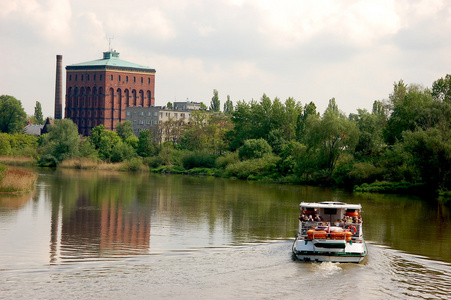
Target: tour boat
{"type": "Point", "coordinates": [330, 231]}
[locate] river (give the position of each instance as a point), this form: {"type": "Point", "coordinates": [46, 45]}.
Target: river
{"type": "Point", "coordinates": [105, 235]}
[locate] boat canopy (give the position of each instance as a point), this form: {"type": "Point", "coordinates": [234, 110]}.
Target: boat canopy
{"type": "Point", "coordinates": [330, 204]}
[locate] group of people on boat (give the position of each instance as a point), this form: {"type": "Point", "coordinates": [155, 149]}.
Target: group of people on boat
{"type": "Point", "coordinates": [348, 219]}
{"type": "Point", "coordinates": [310, 218]}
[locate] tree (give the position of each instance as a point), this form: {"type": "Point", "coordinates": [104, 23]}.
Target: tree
{"type": "Point", "coordinates": [124, 130]}
{"type": "Point", "coordinates": [309, 110]}
{"type": "Point", "coordinates": [12, 115]}
{"type": "Point", "coordinates": [38, 114]}
{"type": "Point", "coordinates": [62, 141]}
{"type": "Point", "coordinates": [215, 104]}
{"type": "Point", "coordinates": [330, 135]}
{"type": "Point", "coordinates": [104, 141]}
{"type": "Point", "coordinates": [254, 149]}
{"type": "Point", "coordinates": [169, 105]}
{"type": "Point", "coordinates": [441, 89]}
{"type": "Point", "coordinates": [203, 106]}
{"type": "Point", "coordinates": [228, 106]}
{"type": "Point", "coordinates": [409, 111]}
{"type": "Point", "coordinates": [146, 145]}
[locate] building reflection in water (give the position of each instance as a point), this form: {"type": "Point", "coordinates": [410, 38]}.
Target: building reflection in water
{"type": "Point", "coordinates": [87, 228]}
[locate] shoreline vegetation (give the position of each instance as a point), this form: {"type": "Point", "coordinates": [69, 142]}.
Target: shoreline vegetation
{"type": "Point", "coordinates": [402, 146]}
{"type": "Point", "coordinates": [15, 180]}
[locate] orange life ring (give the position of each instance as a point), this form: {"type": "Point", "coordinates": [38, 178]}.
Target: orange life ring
{"type": "Point", "coordinates": [353, 229]}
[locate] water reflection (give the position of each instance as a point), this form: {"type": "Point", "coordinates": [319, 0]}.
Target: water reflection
{"type": "Point", "coordinates": [91, 215]}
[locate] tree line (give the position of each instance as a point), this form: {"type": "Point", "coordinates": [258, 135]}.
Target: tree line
{"type": "Point", "coordinates": [405, 138]}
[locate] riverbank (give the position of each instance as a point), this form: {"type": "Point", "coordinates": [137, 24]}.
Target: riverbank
{"type": "Point", "coordinates": [16, 180]}
{"type": "Point", "coordinates": [141, 165]}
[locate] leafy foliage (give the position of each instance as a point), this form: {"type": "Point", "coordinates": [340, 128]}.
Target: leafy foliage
{"type": "Point", "coordinates": [12, 115]}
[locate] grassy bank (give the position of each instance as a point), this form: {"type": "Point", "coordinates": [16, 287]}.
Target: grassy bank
{"type": "Point", "coordinates": [16, 180]}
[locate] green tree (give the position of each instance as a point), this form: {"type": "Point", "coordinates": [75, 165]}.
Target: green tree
{"type": "Point", "coordinates": [104, 141]}
{"type": "Point", "coordinates": [228, 106]}
{"type": "Point", "coordinates": [169, 105]}
{"type": "Point", "coordinates": [309, 110]}
{"type": "Point", "coordinates": [146, 145]}
{"type": "Point", "coordinates": [38, 114]}
{"type": "Point", "coordinates": [12, 115]}
{"type": "Point", "coordinates": [62, 141]}
{"type": "Point", "coordinates": [254, 148]}
{"type": "Point", "coordinates": [330, 135]}
{"type": "Point", "coordinates": [203, 106]}
{"type": "Point", "coordinates": [124, 130]}
{"type": "Point", "coordinates": [431, 153]}
{"type": "Point", "coordinates": [410, 106]}
{"type": "Point", "coordinates": [215, 104]}
{"type": "Point", "coordinates": [441, 89]}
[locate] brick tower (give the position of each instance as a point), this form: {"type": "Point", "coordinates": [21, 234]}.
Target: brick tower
{"type": "Point", "coordinates": [59, 88]}
{"type": "Point", "coordinates": [99, 91]}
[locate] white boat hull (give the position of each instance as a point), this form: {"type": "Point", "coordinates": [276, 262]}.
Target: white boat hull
{"type": "Point", "coordinates": [351, 252]}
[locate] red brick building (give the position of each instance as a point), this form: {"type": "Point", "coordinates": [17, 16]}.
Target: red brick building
{"type": "Point", "coordinates": [99, 91]}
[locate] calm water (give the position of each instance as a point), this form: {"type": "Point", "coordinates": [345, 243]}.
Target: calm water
{"type": "Point", "coordinates": [98, 235]}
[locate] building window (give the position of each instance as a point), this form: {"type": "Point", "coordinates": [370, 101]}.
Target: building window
{"type": "Point", "coordinates": [81, 77]}
{"type": "Point", "coordinates": [87, 77]}
{"type": "Point", "coordinates": [155, 114]}
{"type": "Point", "coordinates": [119, 78]}
{"type": "Point", "coordinates": [70, 77]}
{"type": "Point", "coordinates": [134, 79]}
{"type": "Point", "coordinates": [111, 77]}
{"type": "Point", "coordinates": [126, 78]}
{"type": "Point", "coordinates": [148, 80]}
{"type": "Point", "coordinates": [128, 114]}
{"type": "Point", "coordinates": [142, 113]}
{"type": "Point", "coordinates": [142, 80]}
{"type": "Point", "coordinates": [76, 77]}
{"type": "Point", "coordinates": [100, 76]}
{"type": "Point", "coordinates": [94, 77]}
{"type": "Point", "coordinates": [149, 113]}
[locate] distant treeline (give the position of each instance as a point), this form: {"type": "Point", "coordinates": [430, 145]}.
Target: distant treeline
{"type": "Point", "coordinates": [405, 138]}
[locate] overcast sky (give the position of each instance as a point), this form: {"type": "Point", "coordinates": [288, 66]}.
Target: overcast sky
{"type": "Point", "coordinates": [309, 50]}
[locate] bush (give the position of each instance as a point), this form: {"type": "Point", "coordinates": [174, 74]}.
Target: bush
{"type": "Point", "coordinates": [260, 166]}
{"type": "Point", "coordinates": [135, 164]}
{"type": "Point", "coordinates": [152, 161]}
{"type": "Point", "coordinates": [254, 149]}
{"type": "Point", "coordinates": [198, 160]}
{"type": "Point", "coordinates": [229, 158]}
{"type": "Point", "coordinates": [48, 160]}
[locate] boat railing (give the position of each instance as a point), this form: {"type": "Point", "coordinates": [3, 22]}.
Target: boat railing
{"type": "Point", "coordinates": [355, 228]}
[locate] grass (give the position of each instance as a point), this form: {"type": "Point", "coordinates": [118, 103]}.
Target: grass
{"type": "Point", "coordinates": [17, 160]}
{"type": "Point", "coordinates": [15, 180]}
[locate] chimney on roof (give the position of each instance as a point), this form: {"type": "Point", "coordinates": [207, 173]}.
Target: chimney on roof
{"type": "Point", "coordinates": [59, 88]}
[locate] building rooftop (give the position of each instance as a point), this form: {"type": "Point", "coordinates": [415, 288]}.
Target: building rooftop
{"type": "Point", "coordinates": [110, 60]}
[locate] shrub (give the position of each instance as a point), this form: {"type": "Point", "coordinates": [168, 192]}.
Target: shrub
{"type": "Point", "coordinates": [152, 161]}
{"type": "Point", "coordinates": [244, 169]}
{"type": "Point", "coordinates": [47, 160]}
{"type": "Point", "coordinates": [196, 159]}
{"type": "Point", "coordinates": [135, 164]}
{"type": "Point", "coordinates": [229, 158]}
{"type": "Point", "coordinates": [254, 149]}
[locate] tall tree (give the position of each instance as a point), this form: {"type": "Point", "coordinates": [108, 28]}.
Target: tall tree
{"type": "Point", "coordinates": [62, 141]}
{"type": "Point", "coordinates": [12, 115]}
{"type": "Point", "coordinates": [169, 105]}
{"type": "Point", "coordinates": [38, 114]}
{"type": "Point", "coordinates": [124, 129]}
{"type": "Point", "coordinates": [330, 135]}
{"type": "Point", "coordinates": [215, 104]}
{"type": "Point", "coordinates": [228, 106]}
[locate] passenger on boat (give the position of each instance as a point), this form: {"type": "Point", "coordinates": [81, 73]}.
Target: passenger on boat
{"type": "Point", "coordinates": [318, 218]}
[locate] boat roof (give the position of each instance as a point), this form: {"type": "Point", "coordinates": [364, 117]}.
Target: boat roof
{"type": "Point", "coordinates": [330, 204]}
